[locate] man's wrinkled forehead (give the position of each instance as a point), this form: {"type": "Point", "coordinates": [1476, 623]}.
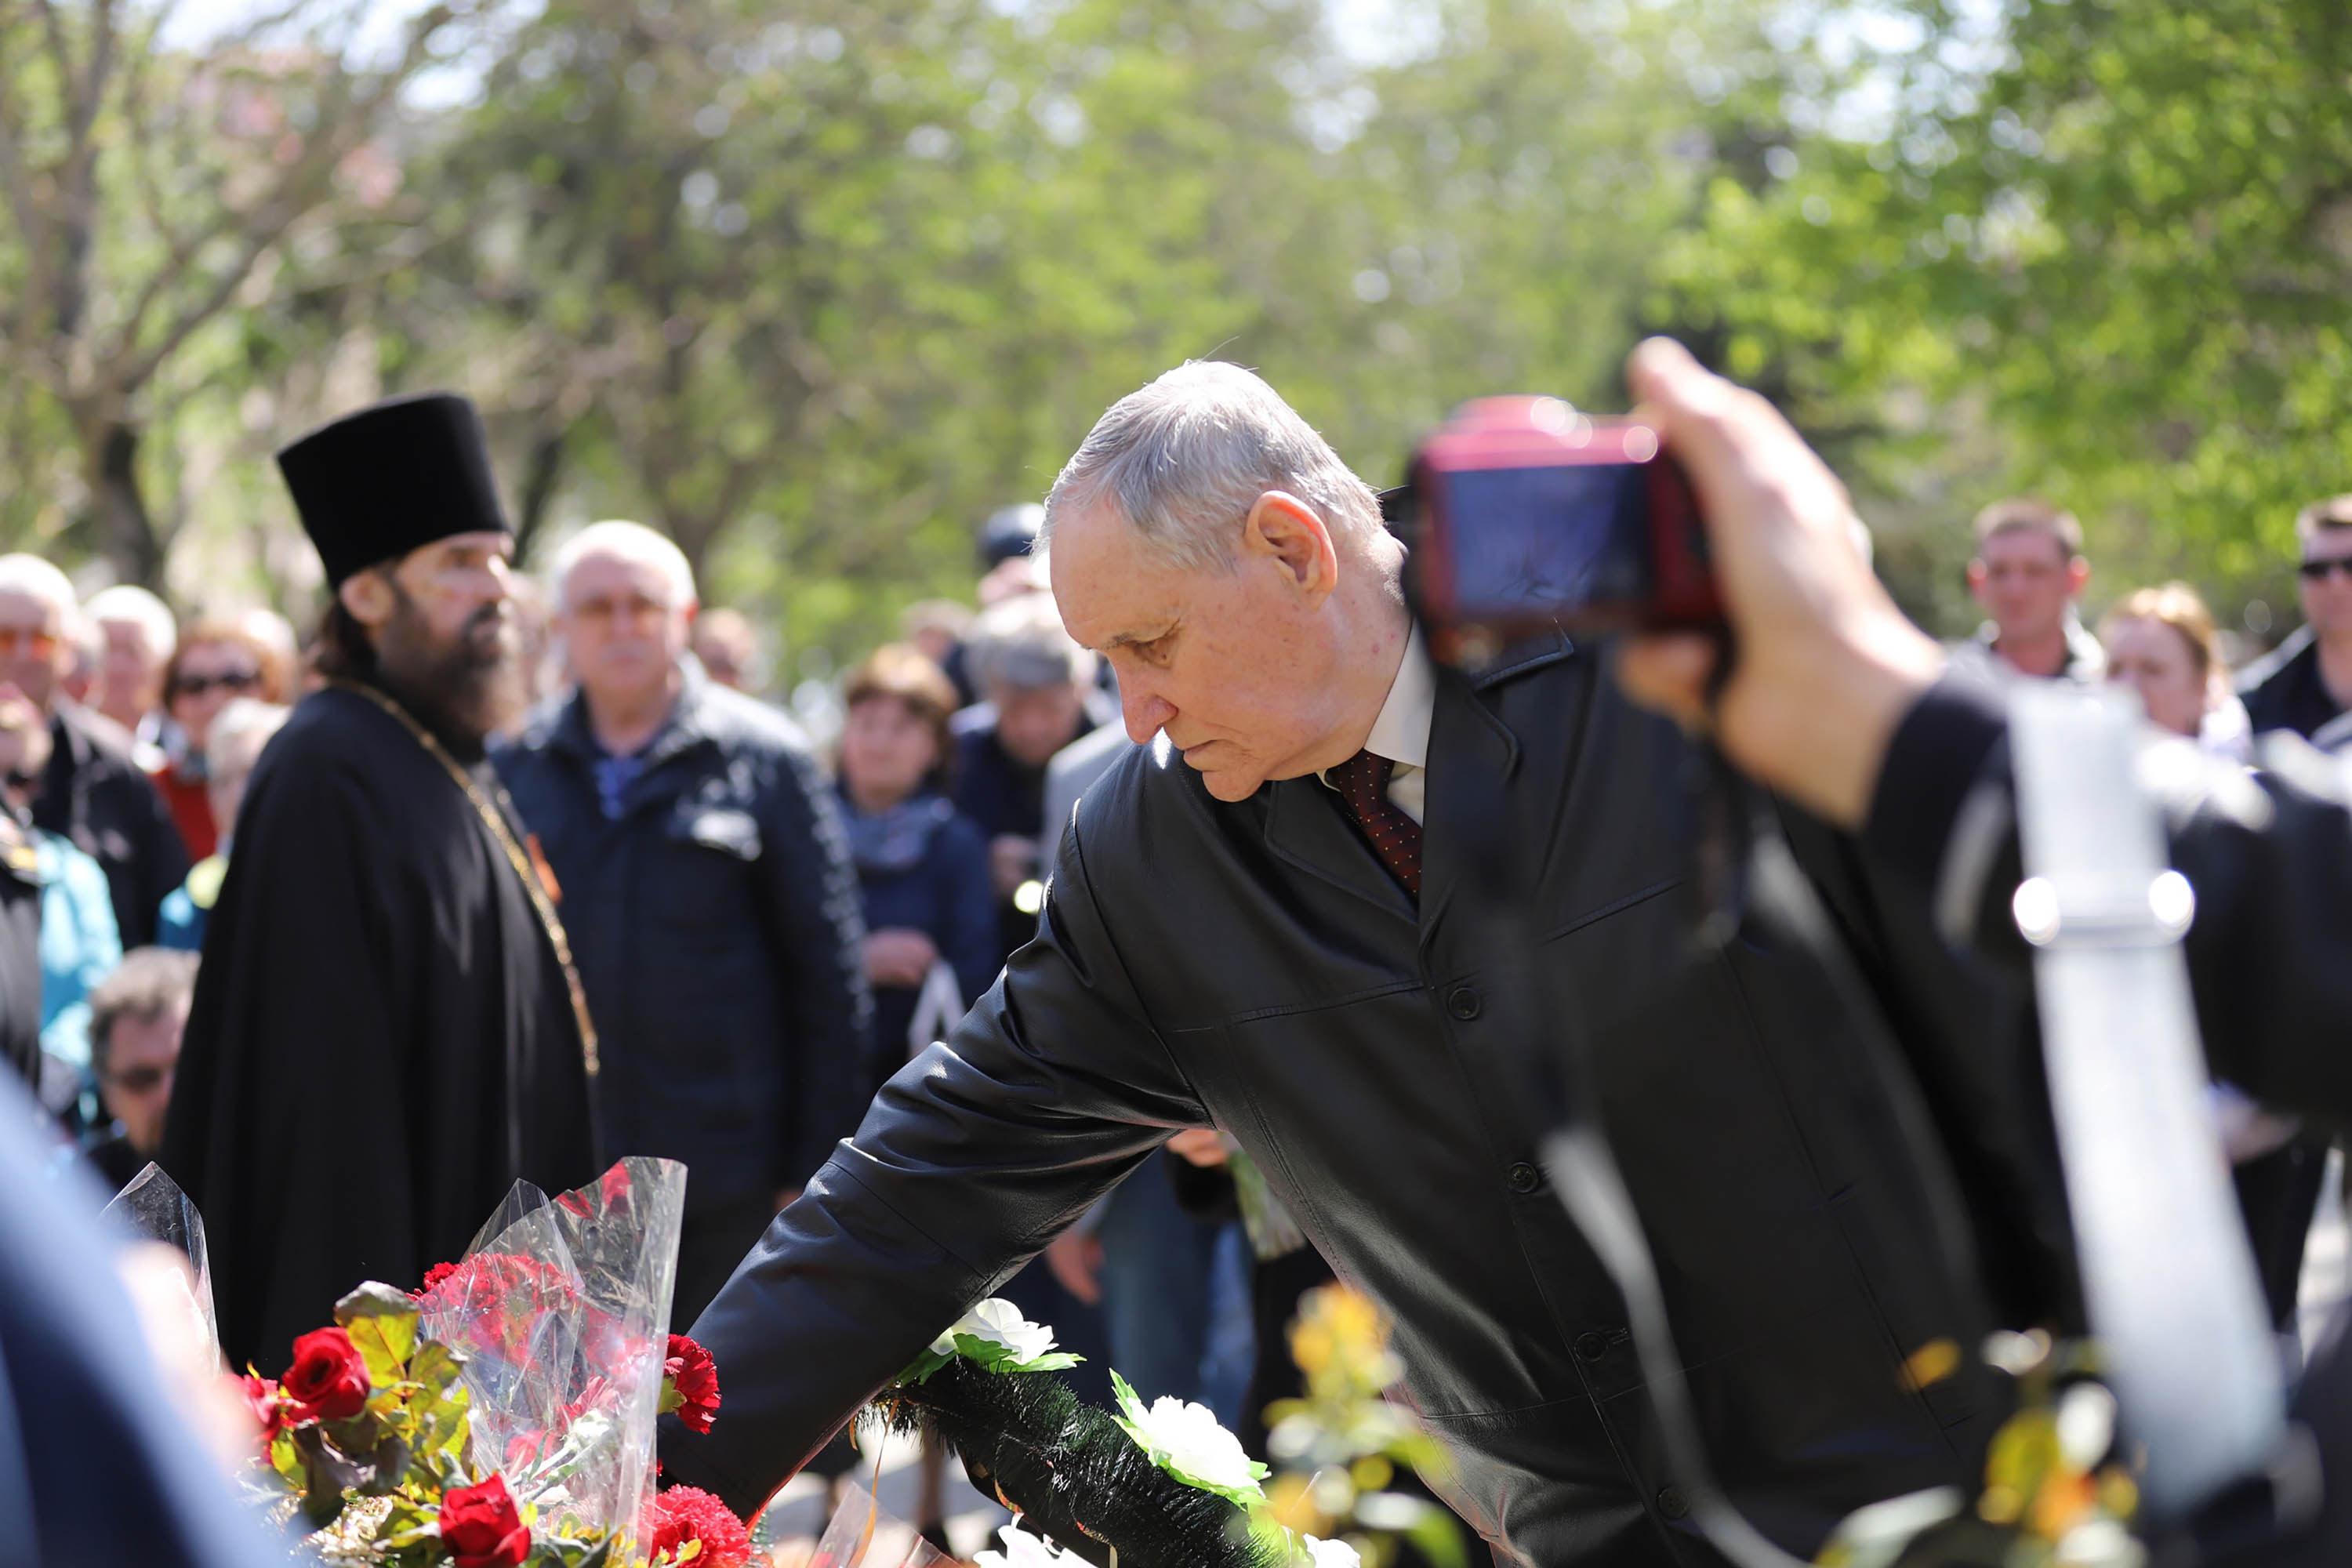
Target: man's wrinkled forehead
{"type": "Point", "coordinates": [1109, 594]}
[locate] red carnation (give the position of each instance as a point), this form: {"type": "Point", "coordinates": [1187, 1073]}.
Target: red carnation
{"type": "Point", "coordinates": [328, 1378]}
{"type": "Point", "coordinates": [689, 1383]}
{"type": "Point", "coordinates": [268, 1406]}
{"type": "Point", "coordinates": [687, 1514]}
{"type": "Point", "coordinates": [481, 1529]}
{"type": "Point", "coordinates": [433, 1276]}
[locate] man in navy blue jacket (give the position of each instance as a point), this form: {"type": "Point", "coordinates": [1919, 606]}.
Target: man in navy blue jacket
{"type": "Point", "coordinates": [707, 889]}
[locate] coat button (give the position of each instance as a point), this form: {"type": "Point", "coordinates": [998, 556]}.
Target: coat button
{"type": "Point", "coordinates": [1672, 1503]}
{"type": "Point", "coordinates": [1463, 1002]}
{"type": "Point", "coordinates": [1591, 1346]}
{"type": "Point", "coordinates": [1524, 1178]}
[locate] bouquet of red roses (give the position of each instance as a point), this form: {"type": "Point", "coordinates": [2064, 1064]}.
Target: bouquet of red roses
{"type": "Point", "coordinates": [503, 1414]}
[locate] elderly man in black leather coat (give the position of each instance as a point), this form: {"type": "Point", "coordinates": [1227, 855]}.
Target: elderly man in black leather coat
{"type": "Point", "coordinates": [1232, 940]}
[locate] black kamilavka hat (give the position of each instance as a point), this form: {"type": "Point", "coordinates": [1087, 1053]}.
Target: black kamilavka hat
{"type": "Point", "coordinates": [375, 484]}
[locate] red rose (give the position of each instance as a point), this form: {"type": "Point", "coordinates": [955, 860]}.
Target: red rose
{"type": "Point", "coordinates": [268, 1406]}
{"type": "Point", "coordinates": [481, 1529]}
{"type": "Point", "coordinates": [328, 1378]}
{"type": "Point", "coordinates": [433, 1276]}
{"type": "Point", "coordinates": [689, 1383]}
{"type": "Point", "coordinates": [684, 1514]}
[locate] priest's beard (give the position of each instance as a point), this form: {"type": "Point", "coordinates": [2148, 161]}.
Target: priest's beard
{"type": "Point", "coordinates": [463, 689]}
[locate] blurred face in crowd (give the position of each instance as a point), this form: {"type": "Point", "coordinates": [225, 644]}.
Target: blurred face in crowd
{"type": "Point", "coordinates": [33, 648]}
{"type": "Point", "coordinates": [226, 786]}
{"type": "Point", "coordinates": [2326, 582]}
{"type": "Point", "coordinates": [2025, 578]}
{"type": "Point", "coordinates": [887, 749]}
{"type": "Point", "coordinates": [935, 642]}
{"type": "Point", "coordinates": [24, 744]}
{"type": "Point", "coordinates": [129, 673]}
{"type": "Point", "coordinates": [442, 628]}
{"type": "Point", "coordinates": [2155, 660]}
{"type": "Point", "coordinates": [621, 635]}
{"type": "Point", "coordinates": [141, 1054]}
{"type": "Point", "coordinates": [1034, 723]}
{"type": "Point", "coordinates": [208, 675]}
{"type": "Point", "coordinates": [1245, 669]}
{"type": "Point", "coordinates": [724, 646]}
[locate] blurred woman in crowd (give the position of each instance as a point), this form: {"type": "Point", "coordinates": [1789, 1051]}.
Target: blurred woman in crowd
{"type": "Point", "coordinates": [930, 906]}
{"type": "Point", "coordinates": [215, 662]}
{"type": "Point", "coordinates": [2161, 643]}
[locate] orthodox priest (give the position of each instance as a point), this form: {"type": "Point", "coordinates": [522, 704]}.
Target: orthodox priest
{"type": "Point", "coordinates": [387, 1031]}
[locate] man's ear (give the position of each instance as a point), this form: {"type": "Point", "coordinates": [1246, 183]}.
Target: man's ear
{"type": "Point", "coordinates": [1977, 575]}
{"type": "Point", "coordinates": [1284, 529]}
{"type": "Point", "coordinates": [2078, 575]}
{"type": "Point", "coordinates": [367, 597]}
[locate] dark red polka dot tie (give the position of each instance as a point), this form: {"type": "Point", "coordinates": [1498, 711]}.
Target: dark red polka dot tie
{"type": "Point", "coordinates": [1363, 781]}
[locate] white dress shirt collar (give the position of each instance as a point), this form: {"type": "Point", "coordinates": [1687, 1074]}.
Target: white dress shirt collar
{"type": "Point", "coordinates": [1401, 732]}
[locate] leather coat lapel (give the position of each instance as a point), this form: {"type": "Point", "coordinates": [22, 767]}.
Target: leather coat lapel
{"type": "Point", "coordinates": [1471, 753]}
{"type": "Point", "coordinates": [1307, 825]}
{"type": "Point", "coordinates": [1472, 756]}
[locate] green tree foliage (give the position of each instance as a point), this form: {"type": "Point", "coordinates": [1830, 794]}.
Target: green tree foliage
{"type": "Point", "coordinates": [2110, 245]}
{"type": "Point", "coordinates": [145, 195]}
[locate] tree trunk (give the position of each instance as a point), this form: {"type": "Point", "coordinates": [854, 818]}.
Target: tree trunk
{"type": "Point", "coordinates": [540, 475]}
{"type": "Point", "coordinates": [125, 531]}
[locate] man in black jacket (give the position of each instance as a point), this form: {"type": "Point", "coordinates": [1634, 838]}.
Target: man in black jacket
{"type": "Point", "coordinates": [2305, 684]}
{"type": "Point", "coordinates": [711, 900]}
{"type": "Point", "coordinates": [1270, 921]}
{"type": "Point", "coordinates": [92, 791]}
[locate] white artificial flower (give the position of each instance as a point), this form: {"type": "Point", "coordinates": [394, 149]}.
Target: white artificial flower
{"type": "Point", "coordinates": [1331, 1554]}
{"type": "Point", "coordinates": [1191, 1444]}
{"type": "Point", "coordinates": [1023, 1550]}
{"type": "Point", "coordinates": [1000, 1322]}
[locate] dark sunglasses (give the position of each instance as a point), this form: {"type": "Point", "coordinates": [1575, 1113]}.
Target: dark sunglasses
{"type": "Point", "coordinates": [231, 681]}
{"type": "Point", "coordinates": [138, 1080]}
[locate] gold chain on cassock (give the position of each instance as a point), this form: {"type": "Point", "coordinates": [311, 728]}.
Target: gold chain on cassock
{"type": "Point", "coordinates": [525, 865]}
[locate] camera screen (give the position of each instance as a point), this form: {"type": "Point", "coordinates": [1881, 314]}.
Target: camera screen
{"type": "Point", "coordinates": [1536, 540]}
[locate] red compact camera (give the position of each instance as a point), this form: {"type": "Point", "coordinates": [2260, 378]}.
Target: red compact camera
{"type": "Point", "coordinates": [1524, 516]}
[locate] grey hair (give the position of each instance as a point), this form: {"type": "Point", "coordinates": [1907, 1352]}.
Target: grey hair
{"type": "Point", "coordinates": [1021, 643]}
{"type": "Point", "coordinates": [36, 579]}
{"type": "Point", "coordinates": [628, 541]}
{"type": "Point", "coordinates": [149, 983]}
{"type": "Point", "coordinates": [1183, 459]}
{"type": "Point", "coordinates": [134, 605]}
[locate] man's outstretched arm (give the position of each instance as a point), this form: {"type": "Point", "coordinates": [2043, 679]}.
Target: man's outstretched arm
{"type": "Point", "coordinates": [973, 1157]}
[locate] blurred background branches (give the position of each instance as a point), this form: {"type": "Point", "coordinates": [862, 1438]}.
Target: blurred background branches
{"type": "Point", "coordinates": [813, 287]}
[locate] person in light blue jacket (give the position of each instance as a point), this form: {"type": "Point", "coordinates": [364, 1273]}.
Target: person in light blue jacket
{"type": "Point", "coordinates": [79, 943]}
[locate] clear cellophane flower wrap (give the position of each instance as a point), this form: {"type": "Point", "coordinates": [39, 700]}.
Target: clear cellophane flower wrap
{"type": "Point", "coordinates": [151, 1208]}
{"type": "Point", "coordinates": [561, 1309]}
{"type": "Point", "coordinates": [864, 1534]}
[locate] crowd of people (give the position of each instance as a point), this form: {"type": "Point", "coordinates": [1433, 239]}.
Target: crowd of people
{"type": "Point", "coordinates": [656, 917]}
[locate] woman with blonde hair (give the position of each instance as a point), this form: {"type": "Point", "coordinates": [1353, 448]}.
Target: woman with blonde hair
{"type": "Point", "coordinates": [2161, 643]}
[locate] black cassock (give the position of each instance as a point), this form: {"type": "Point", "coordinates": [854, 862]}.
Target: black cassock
{"type": "Point", "coordinates": [382, 1041]}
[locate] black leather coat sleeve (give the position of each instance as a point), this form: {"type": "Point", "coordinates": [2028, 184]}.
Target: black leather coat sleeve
{"type": "Point", "coordinates": [973, 1157]}
{"type": "Point", "coordinates": [2268, 852]}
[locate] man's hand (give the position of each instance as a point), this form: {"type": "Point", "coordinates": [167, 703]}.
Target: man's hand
{"type": "Point", "coordinates": [1074, 1258]}
{"type": "Point", "coordinates": [1013, 861]}
{"type": "Point", "coordinates": [1199, 1146]}
{"type": "Point", "coordinates": [898, 955]}
{"type": "Point", "coordinates": [1827, 666]}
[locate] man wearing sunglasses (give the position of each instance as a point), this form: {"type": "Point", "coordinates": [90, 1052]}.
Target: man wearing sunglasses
{"type": "Point", "coordinates": [2307, 683]}
{"type": "Point", "coordinates": [137, 1016]}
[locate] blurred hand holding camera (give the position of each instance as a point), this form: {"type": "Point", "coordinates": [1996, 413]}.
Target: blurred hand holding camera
{"type": "Point", "coordinates": [1826, 664]}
